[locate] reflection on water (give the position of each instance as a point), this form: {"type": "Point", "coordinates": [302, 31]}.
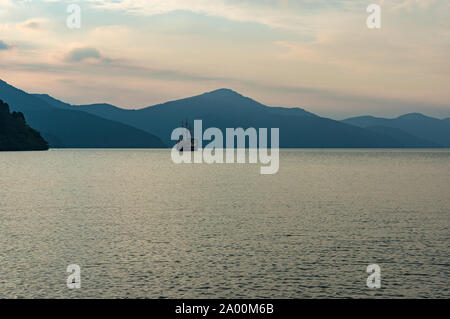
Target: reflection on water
{"type": "Point", "coordinates": [141, 226]}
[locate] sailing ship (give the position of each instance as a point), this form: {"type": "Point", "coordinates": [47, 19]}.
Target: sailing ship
{"type": "Point", "coordinates": [187, 143]}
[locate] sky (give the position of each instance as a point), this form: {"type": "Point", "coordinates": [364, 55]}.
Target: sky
{"type": "Point", "coordinates": [315, 54]}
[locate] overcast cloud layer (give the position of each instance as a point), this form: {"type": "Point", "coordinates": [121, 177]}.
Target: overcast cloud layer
{"type": "Point", "coordinates": [315, 54]}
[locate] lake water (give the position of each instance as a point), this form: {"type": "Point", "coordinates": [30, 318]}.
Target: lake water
{"type": "Point", "coordinates": [140, 226]}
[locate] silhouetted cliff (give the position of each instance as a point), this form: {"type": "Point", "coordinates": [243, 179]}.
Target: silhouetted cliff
{"type": "Point", "coordinates": [16, 135]}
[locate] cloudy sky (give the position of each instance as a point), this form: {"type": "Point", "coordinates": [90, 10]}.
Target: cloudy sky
{"type": "Point", "coordinates": [316, 54]}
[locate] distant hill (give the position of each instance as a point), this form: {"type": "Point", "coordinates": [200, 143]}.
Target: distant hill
{"type": "Point", "coordinates": [52, 101]}
{"type": "Point", "coordinates": [16, 135]}
{"type": "Point", "coordinates": [404, 138]}
{"type": "Point", "coordinates": [421, 128]}
{"type": "Point", "coordinates": [69, 128]}
{"type": "Point", "coordinates": [225, 108]}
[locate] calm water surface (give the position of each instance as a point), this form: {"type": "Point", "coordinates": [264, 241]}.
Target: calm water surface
{"type": "Point", "coordinates": [141, 226]}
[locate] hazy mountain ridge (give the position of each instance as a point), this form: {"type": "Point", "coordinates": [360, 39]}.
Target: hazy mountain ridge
{"type": "Point", "coordinates": [419, 126]}
{"type": "Point", "coordinates": [225, 108]}
{"type": "Point", "coordinates": [406, 139]}
{"type": "Point", "coordinates": [221, 108]}
{"type": "Point", "coordinates": [67, 127]}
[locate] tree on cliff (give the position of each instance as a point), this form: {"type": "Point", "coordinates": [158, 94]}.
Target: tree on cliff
{"type": "Point", "coordinates": [15, 134]}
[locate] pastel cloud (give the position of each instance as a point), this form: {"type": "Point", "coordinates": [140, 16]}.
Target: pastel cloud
{"type": "Point", "coordinates": [83, 54]}
{"type": "Point", "coordinates": [4, 46]}
{"type": "Point", "coordinates": [33, 24]}
{"type": "Point", "coordinates": [273, 13]}
{"type": "Point", "coordinates": [296, 15]}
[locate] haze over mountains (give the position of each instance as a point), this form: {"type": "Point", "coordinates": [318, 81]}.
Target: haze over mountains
{"type": "Point", "coordinates": [428, 129]}
{"type": "Point", "coordinates": [225, 108]}
{"type": "Point", "coordinates": [104, 125]}
{"type": "Point", "coordinates": [72, 128]}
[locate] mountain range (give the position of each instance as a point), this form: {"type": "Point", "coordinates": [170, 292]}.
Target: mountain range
{"type": "Point", "coordinates": [105, 125]}
{"type": "Point", "coordinates": [429, 130]}
{"type": "Point", "coordinates": [72, 128]}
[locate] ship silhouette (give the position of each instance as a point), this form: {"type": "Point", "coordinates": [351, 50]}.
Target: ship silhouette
{"type": "Point", "coordinates": [187, 143]}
